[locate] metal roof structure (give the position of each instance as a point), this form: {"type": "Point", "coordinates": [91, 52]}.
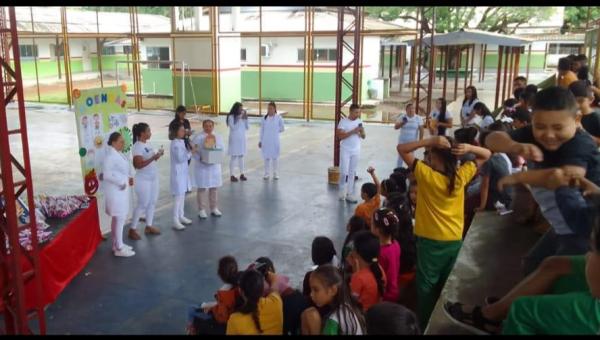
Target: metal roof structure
{"type": "Point", "coordinates": [470, 37]}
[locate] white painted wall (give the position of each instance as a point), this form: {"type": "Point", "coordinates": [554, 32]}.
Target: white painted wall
{"type": "Point", "coordinates": [195, 52]}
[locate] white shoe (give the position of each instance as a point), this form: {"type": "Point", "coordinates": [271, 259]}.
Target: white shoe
{"type": "Point", "coordinates": [127, 246]}
{"type": "Point", "coordinates": [276, 177]}
{"type": "Point", "coordinates": [178, 226]}
{"type": "Point", "coordinates": [185, 220]}
{"type": "Point", "coordinates": [202, 214]}
{"type": "Point", "coordinates": [342, 196]}
{"type": "Point", "coordinates": [217, 213]}
{"type": "Point", "coordinates": [124, 252]}
{"type": "Point", "coordinates": [351, 199]}
{"type": "Point", "coordinates": [266, 177]}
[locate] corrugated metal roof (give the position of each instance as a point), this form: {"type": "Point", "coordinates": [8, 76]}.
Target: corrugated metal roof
{"type": "Point", "coordinates": [468, 37]}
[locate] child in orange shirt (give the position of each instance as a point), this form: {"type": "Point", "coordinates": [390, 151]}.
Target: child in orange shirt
{"type": "Point", "coordinates": [370, 193]}
{"type": "Point", "coordinates": [368, 281]}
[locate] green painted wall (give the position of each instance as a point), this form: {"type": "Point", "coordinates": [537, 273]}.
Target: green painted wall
{"type": "Point", "coordinates": [157, 81]}
{"type": "Point", "coordinates": [48, 68]}
{"type": "Point", "coordinates": [202, 87]}
{"type": "Point", "coordinates": [230, 89]}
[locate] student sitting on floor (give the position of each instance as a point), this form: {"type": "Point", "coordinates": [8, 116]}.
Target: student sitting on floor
{"type": "Point", "coordinates": [370, 194]}
{"type": "Point", "coordinates": [590, 120]}
{"type": "Point", "coordinates": [552, 141]}
{"type": "Point", "coordinates": [368, 279]}
{"type": "Point", "coordinates": [355, 224]}
{"type": "Point", "coordinates": [385, 225]}
{"type": "Point", "coordinates": [329, 291]}
{"type": "Point", "coordinates": [258, 315]}
{"type": "Point", "coordinates": [211, 317]}
{"type": "Point", "coordinates": [560, 297]}
{"type": "Point", "coordinates": [388, 318]}
{"type": "Point", "coordinates": [322, 252]}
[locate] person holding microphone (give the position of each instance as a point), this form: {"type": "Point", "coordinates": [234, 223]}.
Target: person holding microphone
{"type": "Point", "coordinates": [349, 131]}
{"type": "Point", "coordinates": [118, 176]}
{"type": "Point", "coordinates": [146, 179]}
{"type": "Point", "coordinates": [411, 128]}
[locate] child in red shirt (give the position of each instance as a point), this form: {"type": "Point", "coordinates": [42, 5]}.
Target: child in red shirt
{"type": "Point", "coordinates": [368, 281]}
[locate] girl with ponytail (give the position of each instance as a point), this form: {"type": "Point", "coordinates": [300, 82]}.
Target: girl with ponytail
{"type": "Point", "coordinates": [146, 179]}
{"type": "Point", "coordinates": [439, 216]}
{"type": "Point", "coordinates": [257, 315]}
{"type": "Point", "coordinates": [385, 227]}
{"type": "Point", "coordinates": [368, 279]}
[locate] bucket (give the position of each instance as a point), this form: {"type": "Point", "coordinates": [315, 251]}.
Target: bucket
{"type": "Point", "coordinates": [334, 175]}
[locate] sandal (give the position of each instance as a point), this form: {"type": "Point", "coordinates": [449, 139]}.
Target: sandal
{"type": "Point", "coordinates": [473, 321]}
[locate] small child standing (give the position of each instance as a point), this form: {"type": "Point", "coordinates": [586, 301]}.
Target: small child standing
{"type": "Point", "coordinates": [368, 279]}
{"type": "Point", "coordinates": [180, 182]}
{"type": "Point", "coordinates": [371, 194]}
{"type": "Point", "coordinates": [270, 128]}
{"type": "Point", "coordinates": [208, 176]}
{"type": "Point", "coordinates": [385, 225]}
{"type": "Point", "coordinates": [212, 317]}
{"type": "Point", "coordinates": [328, 291]}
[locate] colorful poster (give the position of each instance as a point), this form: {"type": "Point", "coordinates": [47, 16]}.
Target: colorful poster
{"type": "Point", "coordinates": [99, 112]}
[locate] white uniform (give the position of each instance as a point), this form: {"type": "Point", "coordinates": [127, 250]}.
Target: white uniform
{"type": "Point", "coordinates": [117, 170]}
{"type": "Point", "coordinates": [206, 175]}
{"type": "Point", "coordinates": [485, 122]}
{"type": "Point", "coordinates": [349, 152]}
{"type": "Point", "coordinates": [270, 128]}
{"type": "Point", "coordinates": [409, 132]}
{"type": "Point", "coordinates": [146, 184]}
{"type": "Point", "coordinates": [465, 111]}
{"type": "Point", "coordinates": [180, 178]}
{"type": "Point", "coordinates": [237, 142]}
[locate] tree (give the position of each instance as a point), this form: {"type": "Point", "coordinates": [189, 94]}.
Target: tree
{"type": "Point", "coordinates": [449, 19]}
{"type": "Point", "coordinates": [576, 17]}
{"type": "Point", "coordinates": [159, 10]}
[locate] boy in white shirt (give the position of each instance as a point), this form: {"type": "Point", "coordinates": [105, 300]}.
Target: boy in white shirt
{"type": "Point", "coordinates": [349, 131]}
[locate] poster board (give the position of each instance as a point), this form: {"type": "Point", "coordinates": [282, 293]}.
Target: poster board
{"type": "Point", "coordinates": [98, 113]}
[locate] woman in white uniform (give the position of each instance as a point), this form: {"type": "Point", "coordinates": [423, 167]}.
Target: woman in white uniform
{"type": "Point", "coordinates": [208, 176]}
{"type": "Point", "coordinates": [467, 116]}
{"type": "Point", "coordinates": [180, 182]}
{"type": "Point", "coordinates": [118, 176]}
{"type": "Point", "coordinates": [146, 179]}
{"type": "Point", "coordinates": [237, 121]}
{"type": "Point", "coordinates": [349, 131]}
{"type": "Point", "coordinates": [270, 128]}
{"type": "Point", "coordinates": [411, 128]}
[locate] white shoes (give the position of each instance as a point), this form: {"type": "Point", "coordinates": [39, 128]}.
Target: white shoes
{"type": "Point", "coordinates": [217, 213]}
{"type": "Point", "coordinates": [342, 195]}
{"type": "Point", "coordinates": [351, 199]}
{"type": "Point", "coordinates": [185, 220]}
{"type": "Point", "coordinates": [124, 252]}
{"type": "Point", "coordinates": [276, 177]}
{"type": "Point", "coordinates": [202, 214]}
{"type": "Point", "coordinates": [266, 177]}
{"type": "Point", "coordinates": [178, 226]}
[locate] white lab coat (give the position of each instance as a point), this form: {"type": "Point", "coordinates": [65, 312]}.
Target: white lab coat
{"type": "Point", "coordinates": [180, 180]}
{"type": "Point", "coordinates": [237, 136]}
{"type": "Point", "coordinates": [270, 128]}
{"type": "Point", "coordinates": [117, 170]}
{"type": "Point", "coordinates": [206, 175]}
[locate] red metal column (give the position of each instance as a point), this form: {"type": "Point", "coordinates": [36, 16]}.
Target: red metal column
{"type": "Point", "coordinates": [426, 71]}
{"type": "Point", "coordinates": [12, 279]}
{"type": "Point", "coordinates": [353, 30]}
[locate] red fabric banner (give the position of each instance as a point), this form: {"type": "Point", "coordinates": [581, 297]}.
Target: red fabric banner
{"type": "Point", "coordinates": [65, 256]}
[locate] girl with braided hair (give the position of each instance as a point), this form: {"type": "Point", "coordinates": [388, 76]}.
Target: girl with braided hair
{"type": "Point", "coordinates": [368, 279]}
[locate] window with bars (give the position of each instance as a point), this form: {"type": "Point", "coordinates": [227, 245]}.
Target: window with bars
{"type": "Point", "coordinates": [108, 50]}
{"type": "Point", "coordinates": [564, 48]}
{"type": "Point", "coordinates": [158, 54]}
{"type": "Point", "coordinates": [28, 51]}
{"type": "Point", "coordinates": [319, 54]}
{"type": "Point", "coordinates": [243, 54]}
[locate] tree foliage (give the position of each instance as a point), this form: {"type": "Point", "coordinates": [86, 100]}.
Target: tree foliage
{"type": "Point", "coordinates": [448, 19]}
{"type": "Point", "coordinates": [159, 10]}
{"type": "Point", "coordinates": [576, 17]}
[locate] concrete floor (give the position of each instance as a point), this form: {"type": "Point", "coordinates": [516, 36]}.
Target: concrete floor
{"type": "Point", "coordinates": [150, 292]}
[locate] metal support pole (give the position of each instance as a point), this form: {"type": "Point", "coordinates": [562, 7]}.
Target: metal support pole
{"type": "Point", "coordinates": [510, 73]}
{"type": "Point", "coordinates": [446, 59]}
{"type": "Point", "coordinates": [466, 66]}
{"type": "Point", "coordinates": [472, 61]}
{"type": "Point", "coordinates": [456, 71]}
{"type": "Point", "coordinates": [500, 52]}
{"type": "Point", "coordinates": [506, 56]}
{"type": "Point", "coordinates": [484, 60]}
{"type": "Point", "coordinates": [528, 61]}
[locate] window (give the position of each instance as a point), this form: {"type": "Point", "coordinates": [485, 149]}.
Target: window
{"type": "Point", "coordinates": [28, 51]}
{"type": "Point", "coordinates": [265, 51]}
{"type": "Point", "coordinates": [54, 52]}
{"type": "Point", "coordinates": [108, 50]}
{"type": "Point", "coordinates": [564, 49]}
{"type": "Point", "coordinates": [127, 49]}
{"type": "Point", "coordinates": [159, 54]}
{"type": "Point", "coordinates": [319, 54]}
{"type": "Point", "coordinates": [243, 54]}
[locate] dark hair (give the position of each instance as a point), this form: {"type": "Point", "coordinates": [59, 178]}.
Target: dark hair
{"type": "Point", "coordinates": [450, 163]}
{"type": "Point", "coordinates": [370, 189]}
{"type": "Point", "coordinates": [354, 107]}
{"type": "Point", "coordinates": [481, 107]}
{"type": "Point", "coordinates": [522, 114]}
{"type": "Point", "coordinates": [138, 129]}
{"type": "Point", "coordinates": [495, 126]}
{"type": "Point", "coordinates": [179, 109]}
{"type": "Point", "coordinates": [555, 98]}
{"type": "Point", "coordinates": [409, 104]}
{"type": "Point", "coordinates": [473, 97]}
{"type": "Point", "coordinates": [235, 112]}
{"type": "Point", "coordinates": [510, 102]}
{"type": "Point", "coordinates": [367, 247]}
{"type": "Point", "coordinates": [399, 203]}
{"type": "Point", "coordinates": [322, 250]}
{"type": "Point", "coordinates": [386, 221]}
{"type": "Point", "coordinates": [173, 128]}
{"type": "Point", "coordinates": [389, 186]}
{"type": "Point", "coordinates": [580, 57]}
{"type": "Point", "coordinates": [273, 105]}
{"type": "Point", "coordinates": [583, 73]}
{"type": "Point", "coordinates": [387, 318]}
{"type": "Point", "coordinates": [355, 224]}
{"type": "Point", "coordinates": [330, 276]}
{"type": "Point", "coordinates": [113, 137]}
{"type": "Point", "coordinates": [527, 96]}
{"type": "Point", "coordinates": [252, 286]}
{"type": "Point", "coordinates": [466, 135]}
{"type": "Point", "coordinates": [267, 267]}
{"type": "Point", "coordinates": [564, 64]}
{"type": "Point", "coordinates": [228, 270]}
{"type": "Point", "coordinates": [443, 109]}
{"type": "Point", "coordinates": [520, 78]}
{"type": "Point", "coordinates": [517, 92]}
{"type": "Point", "coordinates": [580, 88]}
{"type": "Point", "coordinates": [399, 176]}
{"type": "Point", "coordinates": [531, 88]}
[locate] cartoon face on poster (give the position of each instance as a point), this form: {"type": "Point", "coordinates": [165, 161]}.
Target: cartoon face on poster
{"type": "Point", "coordinates": [99, 112]}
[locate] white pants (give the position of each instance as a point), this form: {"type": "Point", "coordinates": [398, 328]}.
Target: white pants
{"type": "Point", "coordinates": [348, 163]}
{"type": "Point", "coordinates": [212, 199]}
{"type": "Point", "coordinates": [116, 228]}
{"type": "Point", "coordinates": [147, 196]}
{"type": "Point", "coordinates": [178, 208]}
{"type": "Point", "coordinates": [240, 164]}
{"type": "Point", "coordinates": [268, 162]}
